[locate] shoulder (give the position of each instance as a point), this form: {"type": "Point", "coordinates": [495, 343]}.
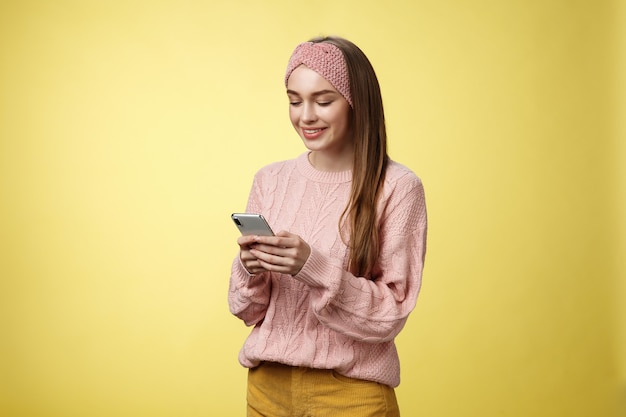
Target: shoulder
{"type": "Point", "coordinates": [399, 178]}
{"type": "Point", "coordinates": [276, 168]}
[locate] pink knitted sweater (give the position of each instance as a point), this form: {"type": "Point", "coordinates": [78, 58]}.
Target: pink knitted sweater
{"type": "Point", "coordinates": [325, 317]}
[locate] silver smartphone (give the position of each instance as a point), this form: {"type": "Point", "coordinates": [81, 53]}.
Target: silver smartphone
{"type": "Point", "coordinates": [252, 224]}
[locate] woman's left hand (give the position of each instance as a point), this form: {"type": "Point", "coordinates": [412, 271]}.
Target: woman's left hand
{"type": "Point", "coordinates": [285, 253]}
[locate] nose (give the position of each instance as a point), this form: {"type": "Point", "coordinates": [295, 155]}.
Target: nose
{"type": "Point", "coordinates": [308, 113]}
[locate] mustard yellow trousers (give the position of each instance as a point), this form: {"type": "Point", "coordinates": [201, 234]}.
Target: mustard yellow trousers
{"type": "Point", "coordinates": [276, 390]}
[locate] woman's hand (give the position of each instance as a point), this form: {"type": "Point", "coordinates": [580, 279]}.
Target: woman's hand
{"type": "Point", "coordinates": [249, 261]}
{"type": "Point", "coordinates": [285, 253]}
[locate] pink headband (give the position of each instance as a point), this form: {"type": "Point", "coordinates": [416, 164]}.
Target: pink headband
{"type": "Point", "coordinates": [327, 60]}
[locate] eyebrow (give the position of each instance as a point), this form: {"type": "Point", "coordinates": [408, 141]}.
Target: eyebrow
{"type": "Point", "coordinates": [315, 94]}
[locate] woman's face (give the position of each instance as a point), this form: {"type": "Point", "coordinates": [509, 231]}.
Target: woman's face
{"type": "Point", "coordinates": [320, 115]}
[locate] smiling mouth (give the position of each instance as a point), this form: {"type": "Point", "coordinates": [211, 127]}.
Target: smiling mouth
{"type": "Point", "coordinates": [312, 133]}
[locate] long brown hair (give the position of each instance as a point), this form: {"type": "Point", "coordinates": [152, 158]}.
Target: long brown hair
{"type": "Point", "coordinates": [370, 158]}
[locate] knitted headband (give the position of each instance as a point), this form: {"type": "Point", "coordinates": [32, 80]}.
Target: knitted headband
{"type": "Point", "coordinates": [327, 60]}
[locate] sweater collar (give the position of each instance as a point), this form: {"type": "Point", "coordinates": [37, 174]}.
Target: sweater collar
{"type": "Point", "coordinates": [331, 177]}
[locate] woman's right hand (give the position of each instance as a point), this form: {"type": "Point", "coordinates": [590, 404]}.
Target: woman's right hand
{"type": "Point", "coordinates": [249, 261]}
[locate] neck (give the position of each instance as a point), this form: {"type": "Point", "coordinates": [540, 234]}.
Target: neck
{"type": "Point", "coordinates": [336, 163]}
{"type": "Point", "coordinates": [324, 162]}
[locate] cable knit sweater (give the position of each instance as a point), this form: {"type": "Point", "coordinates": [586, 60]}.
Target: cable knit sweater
{"type": "Point", "coordinates": [325, 317]}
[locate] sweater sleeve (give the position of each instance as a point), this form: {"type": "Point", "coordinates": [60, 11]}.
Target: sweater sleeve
{"type": "Point", "coordinates": [375, 310]}
{"type": "Point", "coordinates": [249, 295]}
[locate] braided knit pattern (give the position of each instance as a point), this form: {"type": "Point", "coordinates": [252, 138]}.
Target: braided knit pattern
{"type": "Point", "coordinates": [327, 60]}
{"type": "Point", "coordinates": [325, 317]}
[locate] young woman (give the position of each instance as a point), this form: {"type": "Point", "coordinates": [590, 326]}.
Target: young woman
{"type": "Point", "coordinates": [328, 293]}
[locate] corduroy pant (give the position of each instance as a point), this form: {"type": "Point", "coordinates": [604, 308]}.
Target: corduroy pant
{"type": "Point", "coordinates": [276, 390]}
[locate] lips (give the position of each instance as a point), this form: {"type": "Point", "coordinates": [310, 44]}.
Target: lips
{"type": "Point", "coordinates": [312, 133]}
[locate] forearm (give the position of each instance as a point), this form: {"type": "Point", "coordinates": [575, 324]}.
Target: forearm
{"type": "Point", "coordinates": [362, 309]}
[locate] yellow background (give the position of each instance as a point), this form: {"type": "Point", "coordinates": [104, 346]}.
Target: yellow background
{"type": "Point", "coordinates": [130, 130]}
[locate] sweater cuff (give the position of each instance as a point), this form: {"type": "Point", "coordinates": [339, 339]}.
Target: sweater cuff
{"type": "Point", "coordinates": [241, 273]}
{"type": "Point", "coordinates": [242, 279]}
{"type": "Point", "coordinates": [317, 272]}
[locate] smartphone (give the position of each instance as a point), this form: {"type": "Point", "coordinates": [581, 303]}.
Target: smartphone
{"type": "Point", "coordinates": [252, 224]}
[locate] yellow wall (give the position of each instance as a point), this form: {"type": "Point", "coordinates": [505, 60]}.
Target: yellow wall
{"type": "Point", "coordinates": [130, 130]}
{"type": "Point", "coordinates": [619, 161]}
